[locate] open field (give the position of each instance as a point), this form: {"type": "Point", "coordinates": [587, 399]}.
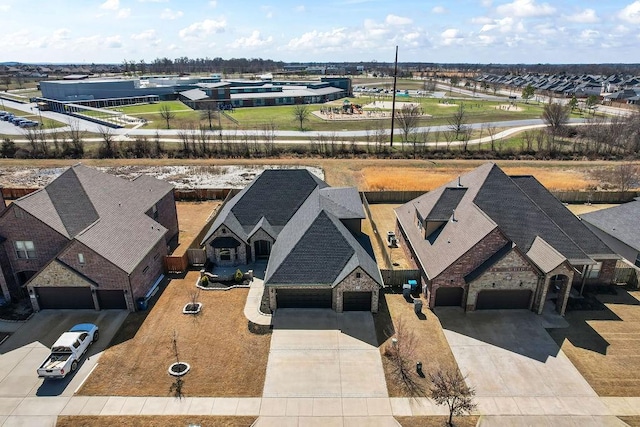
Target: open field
{"type": "Point", "coordinates": [375, 174]}
{"type": "Point", "coordinates": [150, 108]}
{"type": "Point", "coordinates": [226, 358]}
{"type": "Point", "coordinates": [605, 345]}
{"type": "Point", "coordinates": [152, 421]}
{"type": "Point", "coordinates": [431, 348]}
{"type": "Point", "coordinates": [192, 216]}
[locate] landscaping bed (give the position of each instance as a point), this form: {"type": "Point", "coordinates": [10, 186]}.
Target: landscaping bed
{"type": "Point", "coordinates": [16, 311]}
{"type": "Point", "coordinates": [152, 421]}
{"type": "Point", "coordinates": [226, 358]}
{"type": "Point", "coordinates": [431, 349]}
{"type": "Point", "coordinates": [437, 421]}
{"type": "Point", "coordinates": [604, 345]}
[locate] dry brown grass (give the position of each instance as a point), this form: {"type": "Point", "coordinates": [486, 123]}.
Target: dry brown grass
{"type": "Point", "coordinates": [432, 348]}
{"type": "Point", "coordinates": [633, 421]}
{"type": "Point", "coordinates": [152, 421]}
{"type": "Point", "coordinates": [437, 421]}
{"type": "Point", "coordinates": [583, 209]}
{"type": "Point", "coordinates": [192, 216]}
{"type": "Point", "coordinates": [226, 358]}
{"type": "Point", "coordinates": [385, 220]}
{"type": "Point", "coordinates": [605, 345]}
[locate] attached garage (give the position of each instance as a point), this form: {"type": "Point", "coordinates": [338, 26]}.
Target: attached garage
{"type": "Point", "coordinates": [303, 298]}
{"type": "Point", "coordinates": [504, 299]}
{"type": "Point", "coordinates": [356, 301]}
{"type": "Point", "coordinates": [64, 297]}
{"type": "Point", "coordinates": [111, 299]}
{"type": "Point", "coordinates": [447, 297]}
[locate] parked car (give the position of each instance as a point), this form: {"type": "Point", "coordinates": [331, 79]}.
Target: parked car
{"type": "Point", "coordinates": [29, 124]}
{"type": "Point", "coordinates": [68, 350]}
{"type": "Point", "coordinates": [7, 117]}
{"type": "Point", "coordinates": [16, 120]}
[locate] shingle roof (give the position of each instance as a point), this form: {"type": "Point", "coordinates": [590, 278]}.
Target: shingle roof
{"type": "Point", "coordinates": [620, 222]}
{"type": "Point", "coordinates": [445, 205]}
{"type": "Point", "coordinates": [102, 211]}
{"type": "Point", "coordinates": [544, 255]}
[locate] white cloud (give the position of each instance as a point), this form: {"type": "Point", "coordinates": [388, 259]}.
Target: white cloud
{"type": "Point", "coordinates": [199, 30]}
{"type": "Point", "coordinates": [110, 5]}
{"type": "Point", "coordinates": [315, 39]}
{"type": "Point", "coordinates": [253, 41]}
{"type": "Point", "coordinates": [451, 36]}
{"type": "Point", "coordinates": [525, 9]}
{"type": "Point", "coordinates": [631, 13]}
{"type": "Point", "coordinates": [587, 16]}
{"type": "Point", "coordinates": [61, 34]}
{"type": "Point", "coordinates": [124, 13]}
{"type": "Point", "coordinates": [4, 7]}
{"type": "Point", "coordinates": [171, 14]}
{"type": "Point", "coordinates": [150, 37]}
{"type": "Point", "coordinates": [113, 42]}
{"type": "Point", "coordinates": [481, 20]}
{"type": "Point", "coordinates": [486, 3]}
{"type": "Point", "coordinates": [397, 20]}
{"type": "Point", "coordinates": [438, 10]}
{"type": "Point", "coordinates": [300, 8]}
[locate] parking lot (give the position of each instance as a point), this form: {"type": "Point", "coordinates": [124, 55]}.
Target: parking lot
{"type": "Point", "coordinates": [23, 352]}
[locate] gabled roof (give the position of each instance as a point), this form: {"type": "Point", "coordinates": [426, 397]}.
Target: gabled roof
{"type": "Point", "coordinates": [544, 255]}
{"type": "Point", "coordinates": [448, 201]}
{"type": "Point", "coordinates": [102, 211]}
{"type": "Point", "coordinates": [620, 222]}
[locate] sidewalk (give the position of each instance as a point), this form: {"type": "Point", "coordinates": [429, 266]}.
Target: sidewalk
{"type": "Point", "coordinates": [252, 306]}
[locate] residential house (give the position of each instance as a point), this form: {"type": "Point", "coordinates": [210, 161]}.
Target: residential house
{"type": "Point", "coordinates": [310, 235]}
{"type": "Point", "coordinates": [492, 241]}
{"type": "Point", "coordinates": [87, 240]}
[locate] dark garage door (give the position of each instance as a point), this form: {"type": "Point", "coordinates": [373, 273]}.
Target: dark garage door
{"type": "Point", "coordinates": [64, 297]}
{"type": "Point", "coordinates": [112, 299]}
{"type": "Point", "coordinates": [356, 301]}
{"type": "Point", "coordinates": [449, 296]}
{"type": "Point", "coordinates": [303, 298]}
{"type": "Point", "coordinates": [502, 299]}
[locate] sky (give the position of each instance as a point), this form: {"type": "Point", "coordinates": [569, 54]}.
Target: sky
{"type": "Point", "coordinates": [467, 31]}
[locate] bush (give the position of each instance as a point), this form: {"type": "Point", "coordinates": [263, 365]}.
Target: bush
{"type": "Point", "coordinates": [204, 281]}
{"type": "Point", "coordinates": [238, 276]}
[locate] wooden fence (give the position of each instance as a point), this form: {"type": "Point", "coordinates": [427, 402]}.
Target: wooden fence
{"type": "Point", "coordinates": [628, 275]}
{"type": "Point", "coordinates": [399, 277]}
{"type": "Point", "coordinates": [176, 264]}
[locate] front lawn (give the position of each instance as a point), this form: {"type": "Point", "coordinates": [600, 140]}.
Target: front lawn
{"type": "Point", "coordinates": [431, 349]}
{"type": "Point", "coordinates": [226, 358]}
{"type": "Point", "coordinates": [604, 345]}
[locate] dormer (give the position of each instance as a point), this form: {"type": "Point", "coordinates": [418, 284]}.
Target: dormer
{"type": "Point", "coordinates": [443, 211]}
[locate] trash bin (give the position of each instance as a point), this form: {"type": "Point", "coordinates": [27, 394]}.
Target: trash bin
{"type": "Point", "coordinates": [413, 284]}
{"type": "Point", "coordinates": [142, 304]}
{"type": "Point", "coordinates": [406, 291]}
{"type": "Point", "coordinates": [417, 305]}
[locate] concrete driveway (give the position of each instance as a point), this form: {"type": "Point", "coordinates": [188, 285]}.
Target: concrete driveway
{"type": "Point", "coordinates": [508, 353]}
{"type": "Point", "coordinates": [320, 353]}
{"type": "Point", "coordinates": [23, 352]}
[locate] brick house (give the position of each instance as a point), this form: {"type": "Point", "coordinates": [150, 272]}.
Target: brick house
{"type": "Point", "coordinates": [492, 241]}
{"type": "Point", "coordinates": [87, 240]}
{"type": "Point", "coordinates": [309, 233]}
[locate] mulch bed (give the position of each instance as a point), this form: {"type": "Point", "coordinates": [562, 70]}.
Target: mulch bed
{"type": "Point", "coordinates": [18, 311]}
{"type": "Point", "coordinates": [264, 303]}
{"type": "Point", "coordinates": [226, 284]}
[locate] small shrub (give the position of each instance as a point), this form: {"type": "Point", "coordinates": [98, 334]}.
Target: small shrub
{"type": "Point", "coordinates": [238, 276]}
{"type": "Point", "coordinates": [204, 281]}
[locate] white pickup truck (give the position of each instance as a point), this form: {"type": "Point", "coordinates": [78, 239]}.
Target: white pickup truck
{"type": "Point", "coordinates": [67, 351]}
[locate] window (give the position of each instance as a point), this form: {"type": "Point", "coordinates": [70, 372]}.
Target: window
{"type": "Point", "coordinates": [594, 271]}
{"type": "Point", "coordinates": [358, 275]}
{"type": "Point", "coordinates": [225, 255]}
{"type": "Point", "coordinates": [81, 258]}
{"type": "Point", "coordinates": [25, 249]}
{"type": "Point", "coordinates": [224, 231]}
{"type": "Point", "coordinates": [145, 269]}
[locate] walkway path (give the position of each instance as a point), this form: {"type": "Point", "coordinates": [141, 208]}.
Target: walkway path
{"type": "Point", "coordinates": [252, 306]}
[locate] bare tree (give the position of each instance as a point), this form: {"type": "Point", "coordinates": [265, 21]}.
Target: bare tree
{"type": "Point", "coordinates": [301, 114]}
{"type": "Point", "coordinates": [457, 123]}
{"type": "Point", "coordinates": [6, 81]}
{"type": "Point", "coordinates": [466, 137]}
{"type": "Point", "coordinates": [407, 119]}
{"type": "Point", "coordinates": [209, 113]}
{"type": "Point", "coordinates": [166, 114]}
{"type": "Point", "coordinates": [269, 135]}
{"type": "Point", "coordinates": [528, 138]}
{"type": "Point", "coordinates": [108, 148]}
{"type": "Point", "coordinates": [401, 352]}
{"type": "Point", "coordinates": [448, 387]}
{"type": "Point", "coordinates": [555, 116]}
{"type": "Point", "coordinates": [75, 136]}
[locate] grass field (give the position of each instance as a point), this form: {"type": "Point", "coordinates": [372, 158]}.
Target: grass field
{"type": "Point", "coordinates": [150, 108]}
{"type": "Point", "coordinates": [605, 345]}
{"type": "Point", "coordinates": [226, 358]}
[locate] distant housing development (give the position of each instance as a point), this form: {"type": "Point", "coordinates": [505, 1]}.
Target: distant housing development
{"type": "Point", "coordinates": [197, 92]}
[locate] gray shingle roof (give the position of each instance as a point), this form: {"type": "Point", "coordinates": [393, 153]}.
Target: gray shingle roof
{"type": "Point", "coordinates": [620, 222]}
{"type": "Point", "coordinates": [445, 205]}
{"type": "Point", "coordinates": [544, 255]}
{"type": "Point", "coordinates": [122, 232]}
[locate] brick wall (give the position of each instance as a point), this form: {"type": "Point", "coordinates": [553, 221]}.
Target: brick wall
{"type": "Point", "coordinates": [453, 276]}
{"type": "Point", "coordinates": [168, 217]}
{"type": "Point", "coordinates": [142, 280]}
{"type": "Point", "coordinates": [95, 267]}
{"type": "Point", "coordinates": [47, 241]}
{"type": "Point", "coordinates": [352, 283]}
{"type": "Point", "coordinates": [512, 272]}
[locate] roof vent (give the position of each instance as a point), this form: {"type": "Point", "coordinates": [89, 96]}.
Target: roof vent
{"type": "Point", "coordinates": [453, 216]}
{"type": "Point", "coordinates": [459, 183]}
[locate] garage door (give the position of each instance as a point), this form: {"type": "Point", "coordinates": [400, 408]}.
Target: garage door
{"type": "Point", "coordinates": [356, 301]}
{"type": "Point", "coordinates": [64, 297]}
{"type": "Point", "coordinates": [111, 299]}
{"type": "Point", "coordinates": [449, 297]}
{"type": "Point", "coordinates": [503, 299]}
{"type": "Point", "coordinates": [303, 298]}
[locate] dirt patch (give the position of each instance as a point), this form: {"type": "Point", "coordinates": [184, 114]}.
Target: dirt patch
{"type": "Point", "coordinates": [152, 421]}
{"type": "Point", "coordinates": [583, 208]}
{"type": "Point", "coordinates": [388, 105]}
{"type": "Point", "coordinates": [226, 358]}
{"type": "Point", "coordinates": [192, 217]}
{"type": "Point", "coordinates": [604, 344]}
{"type": "Point", "coordinates": [509, 107]}
{"type": "Point", "coordinates": [385, 220]}
{"type": "Point", "coordinates": [445, 105]}
{"type": "Point", "coordinates": [432, 347]}
{"type": "Point", "coordinates": [437, 421]}
{"type": "Point", "coordinates": [633, 421]}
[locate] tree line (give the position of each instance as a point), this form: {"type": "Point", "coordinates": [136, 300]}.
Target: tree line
{"type": "Point", "coordinates": [185, 65]}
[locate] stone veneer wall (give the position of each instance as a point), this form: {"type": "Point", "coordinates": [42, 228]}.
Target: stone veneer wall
{"type": "Point", "coordinates": [512, 272]}
{"type": "Point", "coordinates": [352, 283]}
{"type": "Point", "coordinates": [213, 254]}
{"type": "Point", "coordinates": [563, 269]}
{"type": "Point", "coordinates": [56, 274]}
{"type": "Point", "coordinates": [259, 235]}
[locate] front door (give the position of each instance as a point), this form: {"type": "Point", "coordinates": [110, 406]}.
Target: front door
{"type": "Point", "coordinates": [263, 249]}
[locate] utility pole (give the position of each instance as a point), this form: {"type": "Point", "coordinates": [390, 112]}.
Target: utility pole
{"type": "Point", "coordinates": [393, 103]}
